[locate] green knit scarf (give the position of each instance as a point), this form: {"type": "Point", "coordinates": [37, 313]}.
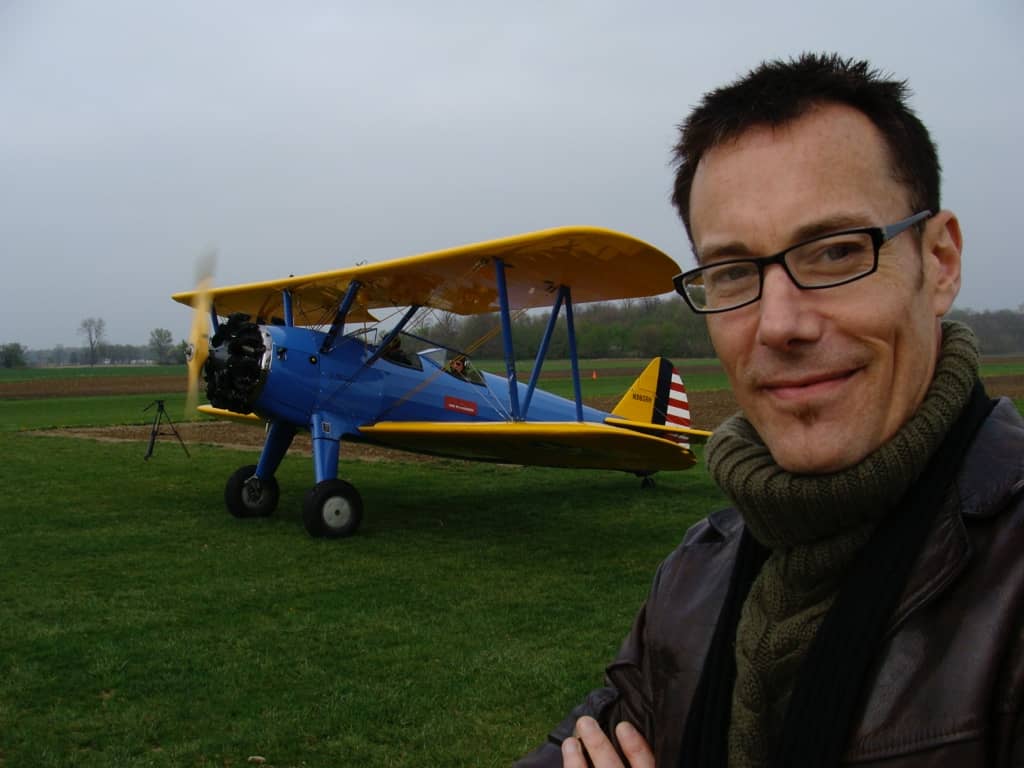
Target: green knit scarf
{"type": "Point", "coordinates": [814, 526]}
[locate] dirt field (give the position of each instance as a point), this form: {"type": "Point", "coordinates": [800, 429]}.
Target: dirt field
{"type": "Point", "coordinates": [708, 408]}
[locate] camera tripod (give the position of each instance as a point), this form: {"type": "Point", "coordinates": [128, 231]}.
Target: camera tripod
{"type": "Point", "coordinates": [158, 417]}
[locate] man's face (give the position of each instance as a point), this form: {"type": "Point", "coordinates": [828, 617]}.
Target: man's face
{"type": "Point", "coordinates": [825, 376]}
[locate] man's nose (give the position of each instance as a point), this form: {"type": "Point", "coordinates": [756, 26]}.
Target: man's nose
{"type": "Point", "coordinates": [785, 316]}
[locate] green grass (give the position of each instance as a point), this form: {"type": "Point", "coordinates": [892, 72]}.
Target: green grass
{"type": "Point", "coordinates": [55, 412]}
{"type": "Point", "coordinates": [80, 372]}
{"type": "Point", "coordinates": [604, 386]}
{"type": "Point", "coordinates": [993, 367]}
{"type": "Point", "coordinates": [144, 626]}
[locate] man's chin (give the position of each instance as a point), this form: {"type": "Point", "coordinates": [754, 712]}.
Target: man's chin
{"type": "Point", "coordinates": [816, 450]}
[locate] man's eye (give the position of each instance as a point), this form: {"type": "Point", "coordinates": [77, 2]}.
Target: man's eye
{"type": "Point", "coordinates": [732, 273]}
{"type": "Point", "coordinates": [833, 256]}
{"type": "Point", "coordinates": [837, 252]}
{"type": "Point", "coordinates": [829, 253]}
{"type": "Point", "coordinates": [730, 277]}
{"type": "Point", "coordinates": [847, 250]}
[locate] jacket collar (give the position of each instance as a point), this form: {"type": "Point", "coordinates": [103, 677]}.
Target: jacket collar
{"type": "Point", "coordinates": [991, 477]}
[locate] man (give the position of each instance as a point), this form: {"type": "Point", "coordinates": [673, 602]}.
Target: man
{"type": "Point", "coordinates": [863, 603]}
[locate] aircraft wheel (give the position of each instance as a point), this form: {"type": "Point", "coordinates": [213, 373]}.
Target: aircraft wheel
{"type": "Point", "coordinates": [245, 496]}
{"type": "Point", "coordinates": [333, 509]}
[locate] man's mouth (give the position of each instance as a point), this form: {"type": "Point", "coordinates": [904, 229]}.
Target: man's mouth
{"type": "Point", "coordinates": [804, 387]}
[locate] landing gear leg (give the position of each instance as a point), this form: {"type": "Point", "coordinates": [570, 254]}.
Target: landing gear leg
{"type": "Point", "coordinates": [252, 491]}
{"type": "Point", "coordinates": [332, 508]}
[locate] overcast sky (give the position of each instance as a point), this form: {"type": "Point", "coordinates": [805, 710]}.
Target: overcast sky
{"type": "Point", "coordinates": [304, 136]}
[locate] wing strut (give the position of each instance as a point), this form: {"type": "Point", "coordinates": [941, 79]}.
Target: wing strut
{"type": "Point", "coordinates": [570, 327]}
{"type": "Point", "coordinates": [340, 315]}
{"type": "Point", "coordinates": [286, 300]}
{"type": "Point", "coordinates": [542, 352]}
{"type": "Point", "coordinates": [506, 338]}
{"type": "Point", "coordinates": [392, 334]}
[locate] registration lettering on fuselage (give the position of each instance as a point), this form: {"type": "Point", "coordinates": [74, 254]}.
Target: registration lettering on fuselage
{"type": "Point", "coordinates": [459, 406]}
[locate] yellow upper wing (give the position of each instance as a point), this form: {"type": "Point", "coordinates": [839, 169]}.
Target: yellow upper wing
{"type": "Point", "coordinates": [597, 264]}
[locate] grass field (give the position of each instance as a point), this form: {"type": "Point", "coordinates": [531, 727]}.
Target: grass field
{"type": "Point", "coordinates": [80, 372]}
{"type": "Point", "coordinates": [55, 412]}
{"type": "Point", "coordinates": [143, 626]}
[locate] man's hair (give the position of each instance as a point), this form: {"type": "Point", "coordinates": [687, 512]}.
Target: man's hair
{"type": "Point", "coordinates": [778, 92]}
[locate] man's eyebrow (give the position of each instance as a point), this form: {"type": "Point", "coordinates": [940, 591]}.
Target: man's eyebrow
{"type": "Point", "coordinates": [829, 225]}
{"type": "Point", "coordinates": [737, 249]}
{"type": "Point", "coordinates": [732, 250]}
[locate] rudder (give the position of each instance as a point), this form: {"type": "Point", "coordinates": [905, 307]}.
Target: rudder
{"type": "Point", "coordinates": [658, 396]}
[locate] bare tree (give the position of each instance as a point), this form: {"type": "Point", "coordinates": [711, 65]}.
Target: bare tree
{"type": "Point", "coordinates": [94, 330]}
{"type": "Point", "coordinates": [447, 324]}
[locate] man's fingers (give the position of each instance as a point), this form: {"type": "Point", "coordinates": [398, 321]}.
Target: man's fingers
{"type": "Point", "coordinates": [634, 746]}
{"type": "Point", "coordinates": [591, 741]}
{"type": "Point", "coordinates": [598, 745]}
{"type": "Point", "coordinates": [572, 754]}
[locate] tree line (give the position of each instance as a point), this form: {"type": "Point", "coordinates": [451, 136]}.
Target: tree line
{"type": "Point", "coordinates": [634, 328]}
{"type": "Point", "coordinates": [648, 327]}
{"type": "Point", "coordinates": [161, 350]}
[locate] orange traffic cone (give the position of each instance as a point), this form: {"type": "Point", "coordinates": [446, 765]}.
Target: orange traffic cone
{"type": "Point", "coordinates": [593, 375]}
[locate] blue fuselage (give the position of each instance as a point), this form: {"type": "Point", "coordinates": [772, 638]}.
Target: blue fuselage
{"type": "Point", "coordinates": [353, 385]}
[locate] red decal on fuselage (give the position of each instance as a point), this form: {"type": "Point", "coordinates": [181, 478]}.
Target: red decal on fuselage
{"type": "Point", "coordinates": [460, 406]}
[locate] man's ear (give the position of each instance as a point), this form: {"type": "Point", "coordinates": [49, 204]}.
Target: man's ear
{"type": "Point", "coordinates": [942, 243]}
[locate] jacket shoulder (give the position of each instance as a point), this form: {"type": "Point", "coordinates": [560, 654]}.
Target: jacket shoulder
{"type": "Point", "coordinates": [992, 475]}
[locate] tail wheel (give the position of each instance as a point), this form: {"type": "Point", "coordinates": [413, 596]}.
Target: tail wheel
{"type": "Point", "coordinates": [249, 496]}
{"type": "Point", "coordinates": [333, 509]}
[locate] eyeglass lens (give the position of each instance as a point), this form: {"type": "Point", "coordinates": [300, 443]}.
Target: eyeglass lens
{"type": "Point", "coordinates": [821, 263]}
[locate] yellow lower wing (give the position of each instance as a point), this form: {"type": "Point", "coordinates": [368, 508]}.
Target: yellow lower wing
{"type": "Point", "coordinates": [546, 444]}
{"type": "Point", "coordinates": [220, 413]}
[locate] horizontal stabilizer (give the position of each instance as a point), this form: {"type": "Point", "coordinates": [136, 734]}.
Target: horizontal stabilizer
{"type": "Point", "coordinates": [697, 436]}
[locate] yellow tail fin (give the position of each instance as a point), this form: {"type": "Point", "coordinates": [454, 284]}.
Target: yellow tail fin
{"type": "Point", "coordinates": [658, 396]}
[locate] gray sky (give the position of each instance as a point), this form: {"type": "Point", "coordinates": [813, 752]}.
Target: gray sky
{"type": "Point", "coordinates": [305, 136]}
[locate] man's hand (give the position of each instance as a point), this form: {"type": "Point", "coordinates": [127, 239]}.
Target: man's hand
{"type": "Point", "coordinates": [599, 747]}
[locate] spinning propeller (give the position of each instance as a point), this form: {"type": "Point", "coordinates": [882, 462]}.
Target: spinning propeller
{"type": "Point", "coordinates": [199, 334]}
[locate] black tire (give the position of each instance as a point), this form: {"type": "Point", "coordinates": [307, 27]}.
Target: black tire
{"type": "Point", "coordinates": [244, 499]}
{"type": "Point", "coordinates": [333, 509]}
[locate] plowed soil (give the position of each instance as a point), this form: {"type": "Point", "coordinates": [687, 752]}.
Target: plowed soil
{"type": "Point", "coordinates": [708, 408]}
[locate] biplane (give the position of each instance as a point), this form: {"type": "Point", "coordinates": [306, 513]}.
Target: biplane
{"type": "Point", "coordinates": [295, 354]}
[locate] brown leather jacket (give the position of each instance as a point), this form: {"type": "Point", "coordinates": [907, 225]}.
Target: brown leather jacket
{"type": "Point", "coordinates": [948, 684]}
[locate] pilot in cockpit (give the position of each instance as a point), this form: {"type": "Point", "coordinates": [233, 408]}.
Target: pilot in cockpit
{"type": "Point", "coordinates": [394, 352]}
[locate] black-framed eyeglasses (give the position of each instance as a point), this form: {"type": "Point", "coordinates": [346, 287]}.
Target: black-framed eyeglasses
{"type": "Point", "coordinates": [821, 262]}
